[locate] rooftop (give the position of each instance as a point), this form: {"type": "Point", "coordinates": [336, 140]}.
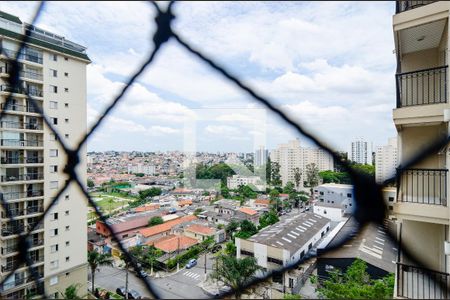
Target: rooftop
{"type": "Point", "coordinates": [147, 232]}
{"type": "Point", "coordinates": [248, 211]}
{"type": "Point", "coordinates": [336, 185]}
{"type": "Point", "coordinates": [371, 245]}
{"type": "Point", "coordinates": [174, 242]}
{"type": "Point", "coordinates": [291, 233]}
{"type": "Point", "coordinates": [201, 229]}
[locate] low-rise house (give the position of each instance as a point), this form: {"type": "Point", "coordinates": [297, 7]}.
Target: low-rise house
{"type": "Point", "coordinates": [333, 211]}
{"type": "Point", "coordinates": [184, 202]}
{"type": "Point", "coordinates": [249, 214]}
{"type": "Point", "coordinates": [152, 233]}
{"type": "Point", "coordinates": [147, 207]}
{"type": "Point", "coordinates": [339, 194]}
{"type": "Point", "coordinates": [202, 232]}
{"type": "Point", "coordinates": [261, 203]}
{"type": "Point", "coordinates": [172, 243]}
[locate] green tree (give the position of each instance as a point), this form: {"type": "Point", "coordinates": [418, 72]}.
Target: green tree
{"type": "Point", "coordinates": [151, 192]}
{"type": "Point", "coordinates": [230, 249]}
{"type": "Point", "coordinates": [268, 218]}
{"type": "Point", "coordinates": [329, 176]}
{"type": "Point", "coordinates": [312, 175]}
{"type": "Point", "coordinates": [219, 171]}
{"type": "Point", "coordinates": [289, 188]}
{"type": "Point", "coordinates": [139, 174]}
{"type": "Point", "coordinates": [95, 260]}
{"type": "Point", "coordinates": [297, 177]}
{"type": "Point", "coordinates": [247, 192]}
{"type": "Point", "coordinates": [198, 211]}
{"type": "Point", "coordinates": [71, 292]}
{"type": "Point", "coordinates": [268, 168]}
{"type": "Point", "coordinates": [247, 230]}
{"type": "Point", "coordinates": [275, 202]}
{"type": "Point", "coordinates": [90, 183]}
{"type": "Point", "coordinates": [292, 296]}
{"type": "Point", "coordinates": [356, 283]}
{"type": "Point", "coordinates": [155, 221]}
{"type": "Point", "coordinates": [224, 191]}
{"type": "Point", "coordinates": [231, 228]}
{"type": "Point", "coordinates": [275, 177]}
{"type": "Point", "coordinates": [235, 272]}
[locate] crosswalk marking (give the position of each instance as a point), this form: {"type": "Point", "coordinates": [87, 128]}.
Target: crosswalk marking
{"type": "Point", "coordinates": [191, 275]}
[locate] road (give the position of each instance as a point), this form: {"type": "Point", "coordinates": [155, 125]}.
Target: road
{"type": "Point", "coordinates": [183, 284]}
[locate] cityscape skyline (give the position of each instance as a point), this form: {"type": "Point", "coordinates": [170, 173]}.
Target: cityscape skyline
{"type": "Point", "coordinates": [151, 116]}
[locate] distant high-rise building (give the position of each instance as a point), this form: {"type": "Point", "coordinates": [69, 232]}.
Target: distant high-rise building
{"type": "Point", "coordinates": [291, 156]}
{"type": "Point", "coordinates": [52, 71]}
{"type": "Point", "coordinates": [386, 160]}
{"type": "Point", "coordinates": [261, 155]}
{"type": "Point", "coordinates": [361, 152]}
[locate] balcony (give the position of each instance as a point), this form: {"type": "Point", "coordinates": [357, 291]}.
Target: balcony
{"type": "Point", "coordinates": [22, 195]}
{"type": "Point", "coordinates": [10, 89]}
{"type": "Point", "coordinates": [12, 230]}
{"type": "Point", "coordinates": [17, 107]}
{"type": "Point", "coordinates": [422, 195]}
{"type": "Point", "coordinates": [27, 74]}
{"type": "Point", "coordinates": [402, 6]}
{"type": "Point", "coordinates": [37, 243]}
{"type": "Point", "coordinates": [21, 143]}
{"type": "Point", "coordinates": [21, 160]}
{"type": "Point", "coordinates": [22, 56]}
{"type": "Point", "coordinates": [420, 283]}
{"type": "Point", "coordinates": [13, 212]}
{"type": "Point", "coordinates": [23, 177]}
{"type": "Point", "coordinates": [34, 209]}
{"type": "Point", "coordinates": [423, 87]}
{"type": "Point", "coordinates": [20, 125]}
{"type": "Point", "coordinates": [9, 249]}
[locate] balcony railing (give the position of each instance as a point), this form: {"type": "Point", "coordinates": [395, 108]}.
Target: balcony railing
{"type": "Point", "coordinates": [21, 160]}
{"type": "Point", "coordinates": [9, 249]}
{"type": "Point", "coordinates": [35, 92]}
{"type": "Point", "coordinates": [12, 230]}
{"type": "Point", "coordinates": [10, 89]}
{"type": "Point", "coordinates": [37, 259]}
{"type": "Point", "coordinates": [23, 73]}
{"type": "Point", "coordinates": [34, 209]}
{"type": "Point", "coordinates": [18, 107]}
{"type": "Point", "coordinates": [23, 177]}
{"type": "Point", "coordinates": [23, 56]}
{"type": "Point", "coordinates": [36, 243]}
{"type": "Point", "coordinates": [420, 283]}
{"type": "Point", "coordinates": [21, 195]}
{"type": "Point", "coordinates": [428, 86]}
{"type": "Point", "coordinates": [20, 125]}
{"type": "Point", "coordinates": [13, 212]}
{"type": "Point", "coordinates": [21, 143]}
{"type": "Point", "coordinates": [402, 6]}
{"type": "Point", "coordinates": [425, 186]}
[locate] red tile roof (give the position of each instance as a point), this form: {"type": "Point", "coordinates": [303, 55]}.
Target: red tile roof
{"type": "Point", "coordinates": [147, 207]}
{"type": "Point", "coordinates": [201, 229]}
{"type": "Point", "coordinates": [184, 202]}
{"type": "Point", "coordinates": [174, 243]}
{"type": "Point", "coordinates": [262, 201]}
{"type": "Point", "coordinates": [248, 211]}
{"type": "Point", "coordinates": [147, 232]}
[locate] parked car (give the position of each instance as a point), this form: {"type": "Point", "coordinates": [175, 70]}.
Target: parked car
{"type": "Point", "coordinates": [216, 248]}
{"type": "Point", "coordinates": [191, 263]}
{"type": "Point", "coordinates": [142, 274]}
{"type": "Point", "coordinates": [120, 291]}
{"type": "Point", "coordinates": [132, 294]}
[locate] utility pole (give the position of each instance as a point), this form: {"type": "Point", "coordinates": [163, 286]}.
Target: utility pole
{"type": "Point", "coordinates": [126, 281]}
{"type": "Point", "coordinates": [178, 253]}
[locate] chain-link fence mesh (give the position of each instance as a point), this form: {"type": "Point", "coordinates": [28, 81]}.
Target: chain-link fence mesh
{"type": "Point", "coordinates": [370, 206]}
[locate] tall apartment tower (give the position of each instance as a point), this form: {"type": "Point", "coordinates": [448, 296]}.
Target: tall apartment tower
{"type": "Point", "coordinates": [420, 117]}
{"type": "Point", "coordinates": [386, 160]}
{"type": "Point", "coordinates": [361, 153]}
{"type": "Point", "coordinates": [291, 156]}
{"type": "Point", "coordinates": [53, 73]}
{"type": "Point", "coordinates": [261, 155]}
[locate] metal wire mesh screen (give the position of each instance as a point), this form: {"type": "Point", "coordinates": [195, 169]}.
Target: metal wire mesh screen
{"type": "Point", "coordinates": [370, 207]}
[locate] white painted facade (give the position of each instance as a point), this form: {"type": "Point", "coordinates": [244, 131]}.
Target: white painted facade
{"type": "Point", "coordinates": [386, 160]}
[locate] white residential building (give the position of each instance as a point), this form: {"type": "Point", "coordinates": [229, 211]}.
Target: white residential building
{"type": "Point", "coordinates": [386, 160]}
{"type": "Point", "coordinates": [261, 155]}
{"type": "Point", "coordinates": [53, 73]}
{"type": "Point", "coordinates": [361, 152]}
{"type": "Point", "coordinates": [141, 168]}
{"type": "Point", "coordinates": [235, 181]}
{"type": "Point", "coordinates": [291, 156]}
{"type": "Point", "coordinates": [336, 194]}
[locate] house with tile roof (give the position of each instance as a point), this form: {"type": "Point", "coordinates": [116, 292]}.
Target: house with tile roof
{"type": "Point", "coordinates": [152, 233]}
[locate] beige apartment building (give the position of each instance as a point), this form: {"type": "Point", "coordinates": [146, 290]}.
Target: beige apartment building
{"type": "Point", "coordinates": [53, 73]}
{"type": "Point", "coordinates": [421, 116]}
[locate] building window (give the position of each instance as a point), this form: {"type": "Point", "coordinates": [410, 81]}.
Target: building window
{"type": "Point", "coordinates": [67, 197]}
{"type": "Point", "coordinates": [54, 248]}
{"type": "Point", "coordinates": [66, 90]}
{"type": "Point", "coordinates": [53, 169]}
{"type": "Point", "coordinates": [67, 273]}
{"type": "Point", "coordinates": [302, 254]}
{"type": "Point", "coordinates": [53, 185]}
{"type": "Point", "coordinates": [66, 74]}
{"type": "Point", "coordinates": [53, 152]}
{"type": "Point", "coordinates": [349, 195]}
{"type": "Point", "coordinates": [248, 253]}
{"type": "Point", "coordinates": [54, 232]}
{"type": "Point", "coordinates": [66, 135]}
{"type": "Point", "coordinates": [54, 264]}
{"type": "Point", "coordinates": [321, 193]}
{"type": "Point", "coordinates": [54, 216]}
{"type": "Point", "coordinates": [53, 281]}
{"type": "Point", "coordinates": [66, 105]}
{"type": "Point", "coordinates": [391, 199]}
{"type": "Point", "coordinates": [67, 243]}
{"type": "Point", "coordinates": [275, 261]}
{"type": "Point", "coordinates": [67, 228]}
{"type": "Point", "coordinates": [309, 246]}
{"type": "Point", "coordinates": [53, 137]}
{"type": "Point", "coordinates": [291, 282]}
{"type": "Point", "coordinates": [54, 121]}
{"type": "Point", "coordinates": [53, 89]}
{"type": "Point", "coordinates": [53, 104]}
{"type": "Point", "coordinates": [53, 57]}
{"type": "Point", "coordinates": [53, 73]}
{"type": "Point", "coordinates": [66, 58]}
{"type": "Point", "coordinates": [67, 212]}
{"type": "Point", "coordinates": [66, 120]}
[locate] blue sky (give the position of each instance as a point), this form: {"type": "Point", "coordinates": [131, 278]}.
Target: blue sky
{"type": "Point", "coordinates": [330, 65]}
